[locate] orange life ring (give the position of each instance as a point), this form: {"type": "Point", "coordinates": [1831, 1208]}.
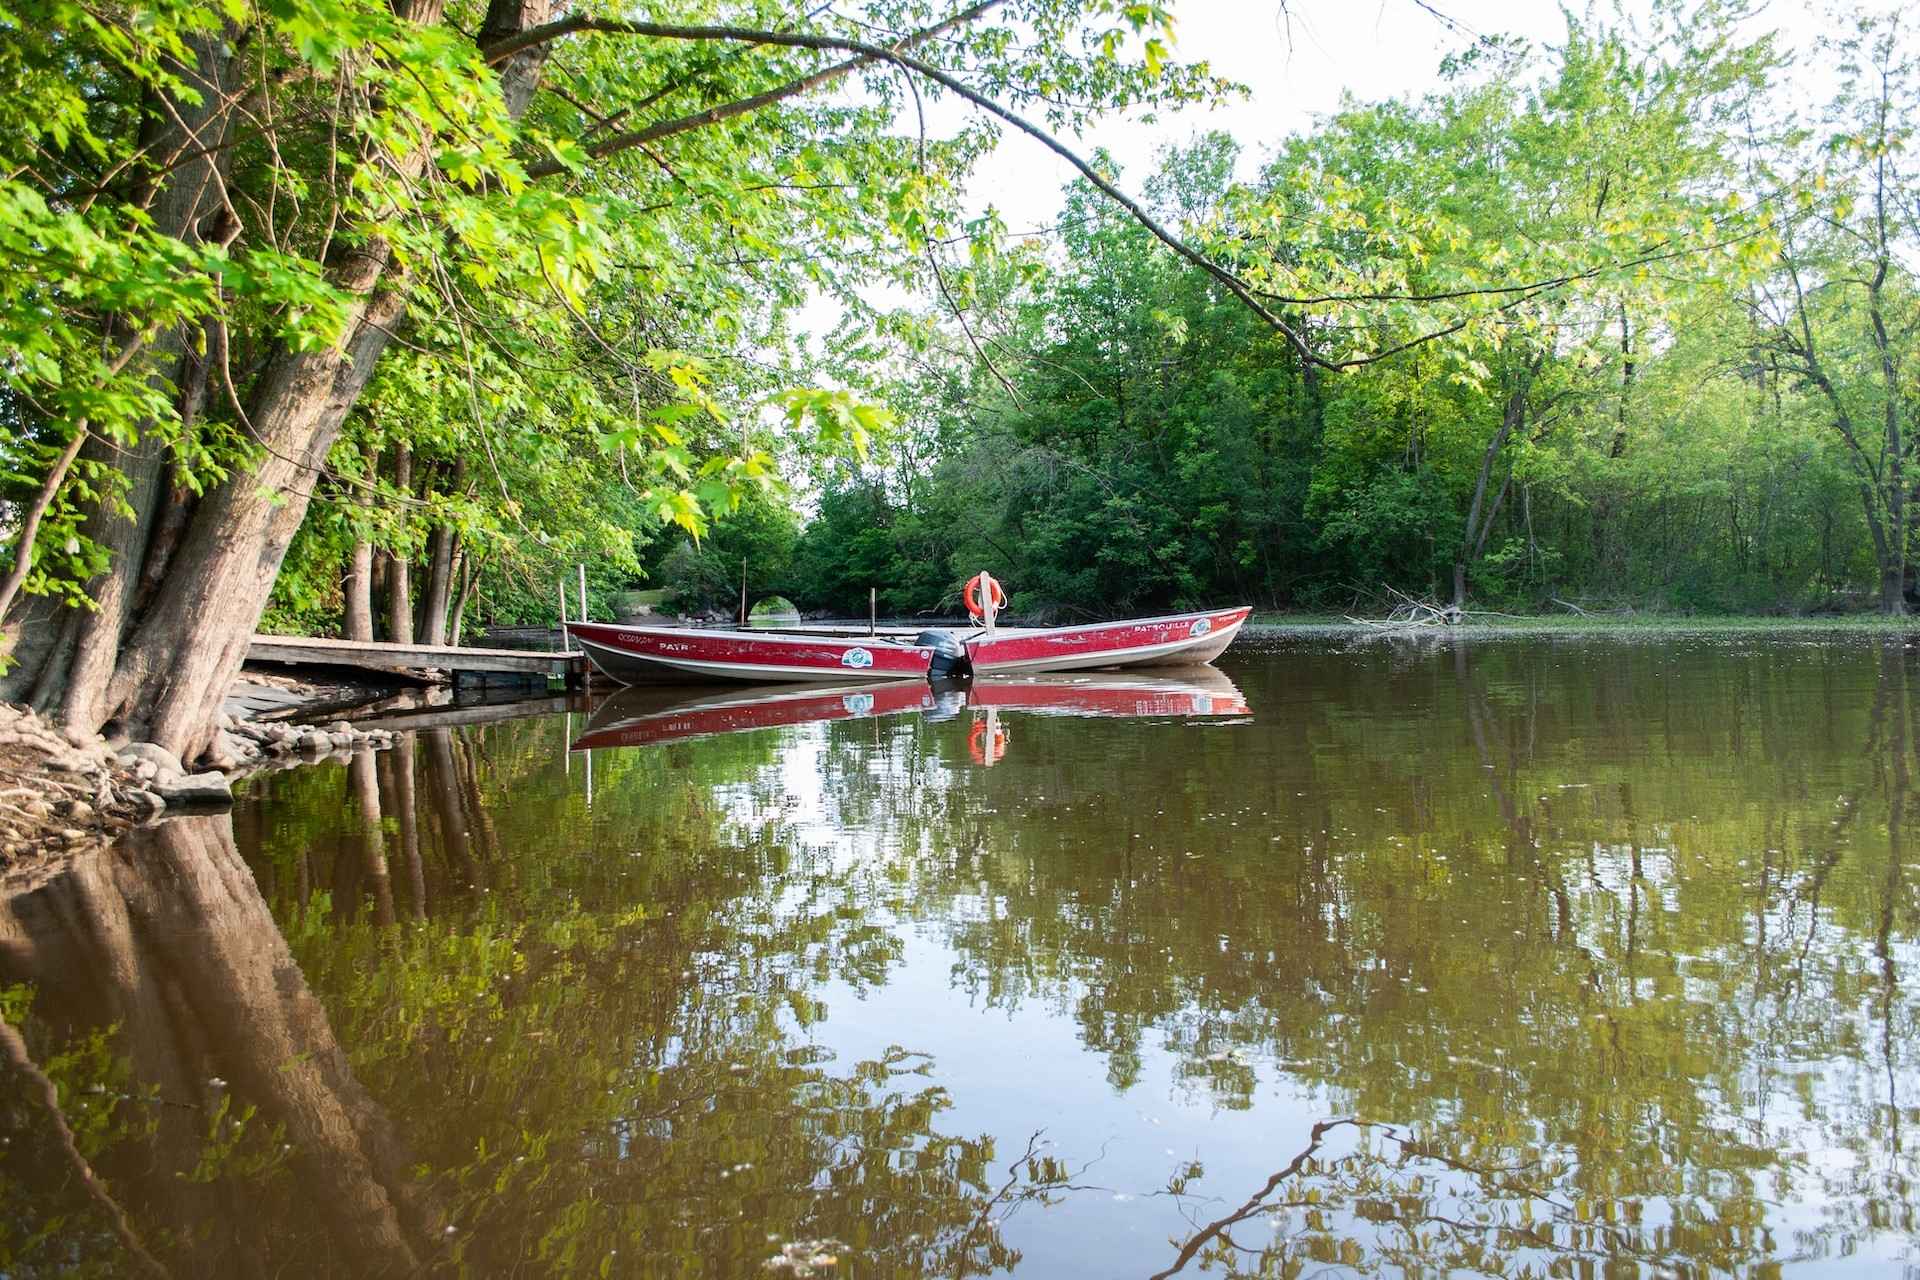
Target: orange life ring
{"type": "Point", "coordinates": [976, 605]}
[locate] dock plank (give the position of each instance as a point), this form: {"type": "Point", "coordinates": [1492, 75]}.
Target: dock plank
{"type": "Point", "coordinates": [381, 655]}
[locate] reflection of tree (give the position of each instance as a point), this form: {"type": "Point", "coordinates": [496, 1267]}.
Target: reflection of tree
{"type": "Point", "coordinates": [168, 939]}
{"type": "Point", "coordinates": [1619, 923]}
{"type": "Point", "coordinates": [593, 1049]}
{"type": "Point", "coordinates": [1387, 1203]}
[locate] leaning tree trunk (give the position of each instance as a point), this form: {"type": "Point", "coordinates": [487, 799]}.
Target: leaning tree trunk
{"type": "Point", "coordinates": [175, 668]}
{"type": "Point", "coordinates": [65, 655]}
{"type": "Point", "coordinates": [469, 578]}
{"type": "Point", "coordinates": [160, 672]}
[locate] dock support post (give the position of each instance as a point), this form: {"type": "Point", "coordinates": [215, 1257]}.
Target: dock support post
{"type": "Point", "coordinates": [583, 592]}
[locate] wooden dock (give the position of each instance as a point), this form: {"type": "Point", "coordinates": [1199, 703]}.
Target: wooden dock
{"type": "Point", "coordinates": [376, 655]}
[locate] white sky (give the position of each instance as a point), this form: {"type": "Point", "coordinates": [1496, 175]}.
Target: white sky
{"type": "Point", "coordinates": [1296, 59]}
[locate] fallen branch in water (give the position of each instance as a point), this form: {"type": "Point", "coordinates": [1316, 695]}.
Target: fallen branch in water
{"type": "Point", "coordinates": [1410, 612]}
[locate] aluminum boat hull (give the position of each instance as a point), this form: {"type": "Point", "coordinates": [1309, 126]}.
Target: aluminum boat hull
{"type": "Point", "coordinates": [641, 655]}
{"type": "Point", "coordinates": [649, 655]}
{"type": "Point", "coordinates": [1179, 640]}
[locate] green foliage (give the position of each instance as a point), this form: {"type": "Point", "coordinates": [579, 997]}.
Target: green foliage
{"type": "Point", "coordinates": [595, 321]}
{"type": "Point", "coordinates": [705, 576]}
{"type": "Point", "coordinates": [1564, 254]}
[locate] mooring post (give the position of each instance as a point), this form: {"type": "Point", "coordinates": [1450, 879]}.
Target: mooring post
{"type": "Point", "coordinates": [583, 592]}
{"type": "Point", "coordinates": [563, 615]}
{"type": "Point", "coordinates": [743, 591]}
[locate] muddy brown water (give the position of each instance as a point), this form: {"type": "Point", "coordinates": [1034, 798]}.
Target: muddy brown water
{"type": "Point", "coordinates": [1563, 957]}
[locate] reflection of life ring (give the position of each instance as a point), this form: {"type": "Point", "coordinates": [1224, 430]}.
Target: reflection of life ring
{"type": "Point", "coordinates": [986, 747]}
{"type": "Point", "coordinates": [977, 599]}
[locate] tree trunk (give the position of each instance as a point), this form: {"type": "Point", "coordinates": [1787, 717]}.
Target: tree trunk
{"type": "Point", "coordinates": [443, 552]}
{"type": "Point", "coordinates": [358, 588]}
{"type": "Point", "coordinates": [399, 568]}
{"type": "Point", "coordinates": [66, 655]}
{"type": "Point", "coordinates": [162, 676]}
{"type": "Point", "coordinates": [177, 665]}
{"type": "Point", "coordinates": [1626, 383]}
{"type": "Point", "coordinates": [1474, 536]}
{"type": "Point", "coordinates": [469, 575]}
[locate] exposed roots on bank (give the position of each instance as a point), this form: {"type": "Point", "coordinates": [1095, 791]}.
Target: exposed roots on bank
{"type": "Point", "coordinates": [61, 791]}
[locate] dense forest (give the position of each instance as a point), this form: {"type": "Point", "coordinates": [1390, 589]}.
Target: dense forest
{"type": "Point", "coordinates": [376, 319]}
{"type": "Point", "coordinates": [1677, 379]}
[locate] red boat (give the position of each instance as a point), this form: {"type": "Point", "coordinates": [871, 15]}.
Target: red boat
{"type": "Point", "coordinates": [642, 717]}
{"type": "Point", "coordinates": [638, 654]}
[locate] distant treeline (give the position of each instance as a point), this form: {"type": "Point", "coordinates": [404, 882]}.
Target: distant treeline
{"type": "Point", "coordinates": [1671, 367]}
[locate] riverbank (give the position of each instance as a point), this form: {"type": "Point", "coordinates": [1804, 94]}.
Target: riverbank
{"type": "Point", "coordinates": [61, 791]}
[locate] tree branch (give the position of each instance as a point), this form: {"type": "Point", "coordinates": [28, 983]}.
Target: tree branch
{"type": "Point", "coordinates": [727, 110]}
{"type": "Point", "coordinates": [866, 53]}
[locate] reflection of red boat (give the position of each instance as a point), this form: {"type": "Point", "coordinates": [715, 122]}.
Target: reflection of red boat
{"type": "Point", "coordinates": [634, 654]}
{"type": "Point", "coordinates": [640, 717]}
{"type": "Point", "coordinates": [1199, 691]}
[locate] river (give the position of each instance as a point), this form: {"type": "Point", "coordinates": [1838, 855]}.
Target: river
{"type": "Point", "coordinates": [1560, 956]}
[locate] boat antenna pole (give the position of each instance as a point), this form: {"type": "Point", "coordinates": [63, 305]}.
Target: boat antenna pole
{"type": "Point", "coordinates": [873, 611]}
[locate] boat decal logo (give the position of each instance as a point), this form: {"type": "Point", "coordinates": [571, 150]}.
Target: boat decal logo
{"type": "Point", "coordinates": [858, 704]}
{"type": "Point", "coordinates": [856, 658]}
{"type": "Point", "coordinates": [1200, 626]}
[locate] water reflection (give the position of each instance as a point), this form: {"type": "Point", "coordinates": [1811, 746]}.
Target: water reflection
{"type": "Point", "coordinates": [220, 1098]}
{"type": "Point", "coordinates": [641, 716]}
{"type": "Point", "coordinates": [1532, 957]}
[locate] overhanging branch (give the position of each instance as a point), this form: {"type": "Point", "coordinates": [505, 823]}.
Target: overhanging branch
{"type": "Point", "coordinates": [501, 49]}
{"type": "Point", "coordinates": [865, 54]}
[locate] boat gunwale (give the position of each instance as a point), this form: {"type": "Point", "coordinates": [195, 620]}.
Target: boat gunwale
{"type": "Point", "coordinates": [892, 636]}
{"type": "Point", "coordinates": [749, 633]}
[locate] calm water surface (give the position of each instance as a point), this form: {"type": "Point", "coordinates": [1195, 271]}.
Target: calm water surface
{"type": "Point", "coordinates": [1563, 958]}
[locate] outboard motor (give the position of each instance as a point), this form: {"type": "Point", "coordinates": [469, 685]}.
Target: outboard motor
{"type": "Point", "coordinates": [950, 661]}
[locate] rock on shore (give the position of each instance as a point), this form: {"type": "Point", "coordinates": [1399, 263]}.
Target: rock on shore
{"type": "Point", "coordinates": [60, 791]}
